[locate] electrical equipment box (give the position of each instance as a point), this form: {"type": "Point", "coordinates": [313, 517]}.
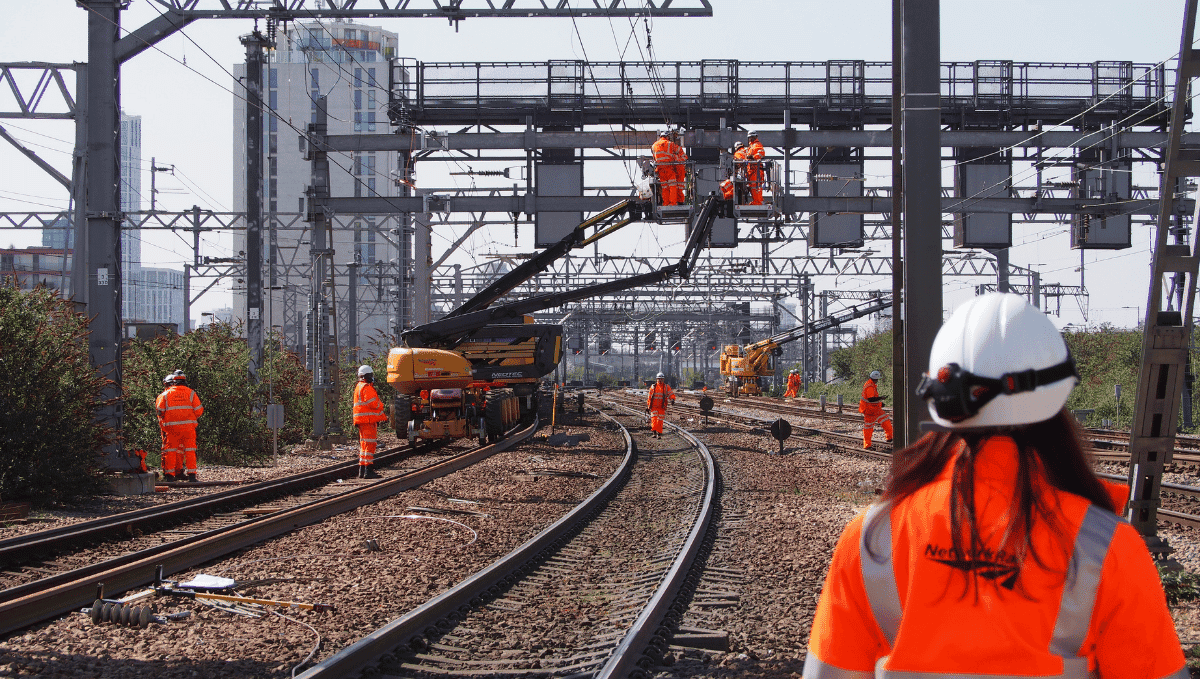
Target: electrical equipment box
{"type": "Point", "coordinates": [977, 181]}
{"type": "Point", "coordinates": [1109, 227]}
{"type": "Point", "coordinates": [557, 180]}
{"type": "Point", "coordinates": [833, 229]}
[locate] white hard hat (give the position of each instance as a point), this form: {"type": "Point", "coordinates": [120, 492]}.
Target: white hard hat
{"type": "Point", "coordinates": [660, 376]}
{"type": "Point", "coordinates": [665, 132]}
{"type": "Point", "coordinates": [365, 370]}
{"type": "Point", "coordinates": [998, 361]}
{"type": "Point", "coordinates": [875, 374]}
{"type": "Point", "coordinates": [739, 145]}
{"type": "Point", "coordinates": [750, 134]}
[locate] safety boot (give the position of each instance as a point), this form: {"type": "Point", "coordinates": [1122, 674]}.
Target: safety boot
{"type": "Point", "coordinates": [191, 478]}
{"type": "Point", "coordinates": [370, 472]}
{"type": "Point", "coordinates": [362, 469]}
{"type": "Point", "coordinates": [169, 478]}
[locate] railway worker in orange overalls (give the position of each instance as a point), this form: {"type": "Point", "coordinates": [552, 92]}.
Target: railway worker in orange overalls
{"type": "Point", "coordinates": [871, 407]}
{"type": "Point", "coordinates": [755, 172]}
{"type": "Point", "coordinates": [794, 385]}
{"type": "Point", "coordinates": [681, 158]}
{"type": "Point", "coordinates": [656, 403]}
{"type": "Point", "coordinates": [739, 171]}
{"type": "Point", "coordinates": [368, 413]}
{"type": "Point", "coordinates": [179, 410]}
{"type": "Point", "coordinates": [665, 165]}
{"type": "Point", "coordinates": [994, 550]}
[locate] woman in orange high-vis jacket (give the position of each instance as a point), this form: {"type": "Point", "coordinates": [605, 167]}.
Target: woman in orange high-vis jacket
{"type": "Point", "coordinates": [994, 551]}
{"type": "Point", "coordinates": [368, 413]}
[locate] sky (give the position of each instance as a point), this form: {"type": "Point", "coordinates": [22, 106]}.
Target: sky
{"type": "Point", "coordinates": [182, 90]}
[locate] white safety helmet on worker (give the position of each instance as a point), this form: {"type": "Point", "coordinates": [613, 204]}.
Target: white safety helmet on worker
{"type": "Point", "coordinates": [365, 370]}
{"type": "Point", "coordinates": [998, 361]}
{"type": "Point", "coordinates": [876, 375]}
{"type": "Point", "coordinates": [660, 376]}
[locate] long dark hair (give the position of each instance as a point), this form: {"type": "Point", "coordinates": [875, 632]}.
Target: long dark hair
{"type": "Point", "coordinates": [1056, 445]}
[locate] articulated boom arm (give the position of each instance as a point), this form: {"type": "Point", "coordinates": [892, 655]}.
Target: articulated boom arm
{"type": "Point", "coordinates": [833, 320]}
{"type": "Point", "coordinates": [451, 330]}
{"type": "Point", "coordinates": [609, 220]}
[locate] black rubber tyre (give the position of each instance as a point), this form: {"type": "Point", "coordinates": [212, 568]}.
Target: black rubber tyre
{"type": "Point", "coordinates": [399, 413]}
{"type": "Point", "coordinates": [494, 413]}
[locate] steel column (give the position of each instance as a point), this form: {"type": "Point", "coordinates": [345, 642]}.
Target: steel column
{"type": "Point", "coordinates": [103, 216]}
{"type": "Point", "coordinates": [922, 181]}
{"type": "Point", "coordinates": [1167, 329]}
{"type": "Point", "coordinates": [254, 44]}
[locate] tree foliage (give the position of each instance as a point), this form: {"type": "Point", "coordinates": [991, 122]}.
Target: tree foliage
{"type": "Point", "coordinates": [50, 443]}
{"type": "Point", "coordinates": [215, 359]}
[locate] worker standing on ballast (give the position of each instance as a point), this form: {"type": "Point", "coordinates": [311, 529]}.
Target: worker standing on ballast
{"type": "Point", "coordinates": [179, 410]}
{"type": "Point", "coordinates": [665, 165]}
{"type": "Point", "coordinates": [656, 403]}
{"type": "Point", "coordinates": [368, 413]}
{"type": "Point", "coordinates": [794, 385]}
{"type": "Point", "coordinates": [994, 550]}
{"type": "Point", "coordinates": [871, 407]}
{"type": "Point", "coordinates": [755, 171]}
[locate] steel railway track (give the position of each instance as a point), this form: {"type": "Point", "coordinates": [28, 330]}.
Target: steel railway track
{"type": "Point", "coordinates": [593, 590]}
{"type": "Point", "coordinates": [49, 597]}
{"type": "Point", "coordinates": [1175, 497]}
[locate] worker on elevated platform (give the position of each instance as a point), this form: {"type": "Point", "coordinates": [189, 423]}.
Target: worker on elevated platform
{"type": "Point", "coordinates": [739, 171]}
{"type": "Point", "coordinates": [755, 170]}
{"type": "Point", "coordinates": [871, 406]}
{"type": "Point", "coordinates": [179, 410]}
{"type": "Point", "coordinates": [368, 413]}
{"type": "Point", "coordinates": [994, 550]}
{"type": "Point", "coordinates": [670, 173]}
{"type": "Point", "coordinates": [794, 385]}
{"type": "Point", "coordinates": [681, 159]}
{"type": "Point", "coordinates": [656, 403]}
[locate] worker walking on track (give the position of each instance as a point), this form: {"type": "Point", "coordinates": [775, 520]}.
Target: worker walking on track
{"type": "Point", "coordinates": [994, 550]}
{"type": "Point", "coordinates": [755, 170]}
{"type": "Point", "coordinates": [670, 172]}
{"type": "Point", "coordinates": [179, 410]}
{"type": "Point", "coordinates": [794, 385]}
{"type": "Point", "coordinates": [368, 413]}
{"type": "Point", "coordinates": [870, 404]}
{"type": "Point", "coordinates": [656, 403]}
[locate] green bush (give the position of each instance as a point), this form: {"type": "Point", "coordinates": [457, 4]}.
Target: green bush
{"type": "Point", "coordinates": [233, 429]}
{"type": "Point", "coordinates": [50, 443]}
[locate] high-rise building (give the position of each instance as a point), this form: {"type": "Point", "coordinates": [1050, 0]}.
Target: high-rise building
{"type": "Point", "coordinates": [348, 64]}
{"type": "Point", "coordinates": [148, 295]}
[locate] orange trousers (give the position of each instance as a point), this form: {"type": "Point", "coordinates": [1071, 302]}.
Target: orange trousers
{"type": "Point", "coordinates": [870, 420]}
{"type": "Point", "coordinates": [367, 440]}
{"type": "Point", "coordinates": [179, 449]}
{"type": "Point", "coordinates": [656, 421]}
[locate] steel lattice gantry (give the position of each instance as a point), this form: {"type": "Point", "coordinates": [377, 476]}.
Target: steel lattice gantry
{"type": "Point", "coordinates": [97, 276]}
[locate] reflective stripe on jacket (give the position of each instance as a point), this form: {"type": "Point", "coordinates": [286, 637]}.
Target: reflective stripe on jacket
{"type": "Point", "coordinates": [177, 406]}
{"type": "Point", "coordinates": [368, 409]}
{"type": "Point", "coordinates": [664, 154]}
{"type": "Point", "coordinates": [868, 407]}
{"type": "Point", "coordinates": [657, 398]}
{"type": "Point", "coordinates": [900, 602]}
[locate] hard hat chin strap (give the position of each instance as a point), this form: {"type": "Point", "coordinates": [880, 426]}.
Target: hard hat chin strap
{"type": "Point", "coordinates": [957, 394]}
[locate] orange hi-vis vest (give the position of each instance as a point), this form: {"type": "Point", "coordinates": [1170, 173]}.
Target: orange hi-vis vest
{"type": "Point", "coordinates": [368, 409]}
{"type": "Point", "coordinates": [866, 407]}
{"type": "Point", "coordinates": [178, 406]}
{"type": "Point", "coordinates": [664, 153]}
{"type": "Point", "coordinates": [900, 602]}
{"type": "Point", "coordinates": [656, 400]}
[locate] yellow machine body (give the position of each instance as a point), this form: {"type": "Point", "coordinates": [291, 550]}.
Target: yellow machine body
{"type": "Point", "coordinates": [411, 370]}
